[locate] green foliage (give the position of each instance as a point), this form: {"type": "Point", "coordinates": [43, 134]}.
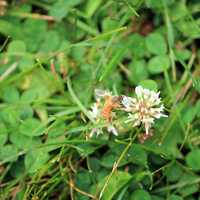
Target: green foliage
{"type": "Point", "coordinates": [173, 172]}
{"type": "Point", "coordinates": [137, 45]}
{"type": "Point", "coordinates": [8, 153]}
{"type": "Point", "coordinates": [149, 84]}
{"type": "Point", "coordinates": [116, 182]}
{"type": "Point", "coordinates": [3, 134]}
{"type": "Point", "coordinates": [31, 127]}
{"type": "Point", "coordinates": [138, 71]}
{"type": "Point", "coordinates": [61, 8]}
{"type": "Point", "coordinates": [16, 47]}
{"type": "Point", "coordinates": [140, 195]}
{"type": "Point", "coordinates": [53, 55]}
{"type": "Point", "coordinates": [91, 7]}
{"type": "Point", "coordinates": [158, 64]}
{"type": "Point", "coordinates": [156, 44]}
{"type": "Point", "coordinates": [175, 197]}
{"type": "Point", "coordinates": [35, 159]}
{"type": "Point", "coordinates": [192, 159]}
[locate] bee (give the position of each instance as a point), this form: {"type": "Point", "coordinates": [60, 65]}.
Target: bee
{"type": "Point", "coordinates": [110, 103]}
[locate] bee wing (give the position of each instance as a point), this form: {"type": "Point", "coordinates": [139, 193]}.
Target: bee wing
{"type": "Point", "coordinates": [101, 93]}
{"type": "Point", "coordinates": [127, 103]}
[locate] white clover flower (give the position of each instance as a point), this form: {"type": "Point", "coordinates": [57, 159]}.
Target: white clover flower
{"type": "Point", "coordinates": [97, 113]}
{"type": "Point", "coordinates": [144, 108]}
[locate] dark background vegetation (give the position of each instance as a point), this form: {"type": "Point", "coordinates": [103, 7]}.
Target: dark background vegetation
{"type": "Point", "coordinates": [54, 53]}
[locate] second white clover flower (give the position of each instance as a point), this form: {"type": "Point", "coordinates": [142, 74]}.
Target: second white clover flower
{"type": "Point", "coordinates": [144, 108]}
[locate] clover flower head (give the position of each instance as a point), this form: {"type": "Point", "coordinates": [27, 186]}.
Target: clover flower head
{"type": "Point", "coordinates": [97, 113]}
{"type": "Point", "coordinates": [144, 108]}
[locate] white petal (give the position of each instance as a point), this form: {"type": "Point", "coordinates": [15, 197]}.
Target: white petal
{"type": "Point", "coordinates": [93, 131]}
{"type": "Point", "coordinates": [128, 103]}
{"type": "Point", "coordinates": [101, 93]}
{"type": "Point", "coordinates": [148, 120]}
{"type": "Point", "coordinates": [112, 130]}
{"type": "Point", "coordinates": [147, 127]}
{"type": "Point", "coordinates": [146, 93]}
{"type": "Point", "coordinates": [163, 115]}
{"type": "Point", "coordinates": [96, 131]}
{"type": "Point", "coordinates": [162, 107]}
{"type": "Point", "coordinates": [130, 118]}
{"type": "Point", "coordinates": [139, 91]}
{"type": "Point", "coordinates": [95, 111]}
{"type": "Point", "coordinates": [134, 118]}
{"type": "Point", "coordinates": [136, 123]}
